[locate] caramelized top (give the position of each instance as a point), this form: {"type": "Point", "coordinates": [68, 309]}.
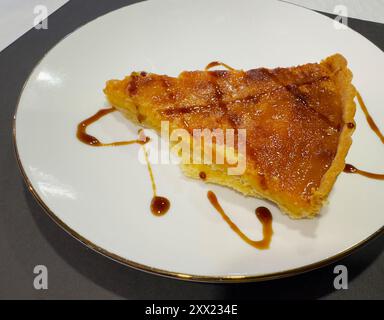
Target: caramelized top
{"type": "Point", "coordinates": [293, 117]}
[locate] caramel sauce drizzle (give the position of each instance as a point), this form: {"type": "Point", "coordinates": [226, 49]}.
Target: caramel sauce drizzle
{"type": "Point", "coordinates": [217, 63]}
{"type": "Point", "coordinates": [159, 205]}
{"type": "Point", "coordinates": [86, 138]}
{"type": "Point", "coordinates": [262, 213]}
{"type": "Point", "coordinates": [352, 169]}
{"type": "Point", "coordinates": [369, 118]}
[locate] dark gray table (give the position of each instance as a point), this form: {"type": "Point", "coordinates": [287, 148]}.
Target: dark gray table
{"type": "Point", "coordinates": [28, 237]}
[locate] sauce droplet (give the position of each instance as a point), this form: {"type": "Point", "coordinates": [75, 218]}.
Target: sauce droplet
{"type": "Point", "coordinates": [350, 125]}
{"type": "Point", "coordinates": [202, 175]}
{"type": "Point", "coordinates": [159, 205]}
{"type": "Point", "coordinates": [262, 213]}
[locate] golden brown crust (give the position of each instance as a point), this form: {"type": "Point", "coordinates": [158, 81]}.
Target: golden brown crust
{"type": "Point", "coordinates": [296, 121]}
{"type": "Point", "coordinates": [342, 79]}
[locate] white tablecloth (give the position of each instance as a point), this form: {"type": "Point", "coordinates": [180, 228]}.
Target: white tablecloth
{"type": "Point", "coordinates": [370, 10]}
{"type": "Point", "coordinates": [17, 16]}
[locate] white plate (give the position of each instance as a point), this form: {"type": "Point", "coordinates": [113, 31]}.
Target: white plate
{"type": "Point", "coordinates": [102, 195]}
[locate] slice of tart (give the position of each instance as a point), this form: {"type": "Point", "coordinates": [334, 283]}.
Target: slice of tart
{"type": "Point", "coordinates": [298, 123]}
